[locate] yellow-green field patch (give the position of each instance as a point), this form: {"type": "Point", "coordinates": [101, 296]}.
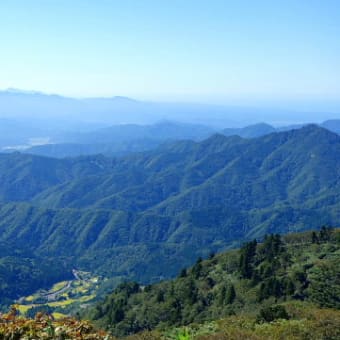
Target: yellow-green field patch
{"type": "Point", "coordinates": [24, 308]}
{"type": "Point", "coordinates": [58, 315]}
{"type": "Point", "coordinates": [63, 303]}
{"type": "Point", "coordinates": [58, 286]}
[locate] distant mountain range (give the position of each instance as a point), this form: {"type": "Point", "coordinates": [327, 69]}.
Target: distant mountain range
{"type": "Point", "coordinates": [251, 131]}
{"type": "Point", "coordinates": [107, 111]}
{"type": "Point", "coordinates": [56, 110]}
{"type": "Point", "coordinates": [57, 126]}
{"type": "Point", "coordinates": [121, 140]}
{"type": "Point", "coordinates": [262, 129]}
{"type": "Point", "coordinates": [144, 215]}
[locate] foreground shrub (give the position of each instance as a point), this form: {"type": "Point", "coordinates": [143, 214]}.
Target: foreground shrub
{"type": "Point", "coordinates": [43, 326]}
{"type": "Point", "coordinates": [269, 314]}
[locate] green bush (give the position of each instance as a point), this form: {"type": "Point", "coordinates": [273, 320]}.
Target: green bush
{"type": "Point", "coordinates": [269, 314]}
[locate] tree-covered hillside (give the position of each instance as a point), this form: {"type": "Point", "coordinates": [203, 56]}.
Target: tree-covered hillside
{"type": "Point", "coordinates": [145, 215]}
{"type": "Point", "coordinates": [257, 280]}
{"type": "Point", "coordinates": [222, 171]}
{"type": "Point", "coordinates": [24, 176]}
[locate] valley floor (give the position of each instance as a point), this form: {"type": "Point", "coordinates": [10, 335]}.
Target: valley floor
{"type": "Point", "coordinates": [62, 298]}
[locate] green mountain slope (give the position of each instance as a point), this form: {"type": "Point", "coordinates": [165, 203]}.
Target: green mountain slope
{"type": "Point", "coordinates": [24, 176]}
{"type": "Point", "coordinates": [255, 280]}
{"type": "Point", "coordinates": [145, 215]}
{"type": "Point", "coordinates": [232, 172]}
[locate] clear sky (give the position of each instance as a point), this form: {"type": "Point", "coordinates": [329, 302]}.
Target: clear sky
{"type": "Point", "coordinates": [207, 50]}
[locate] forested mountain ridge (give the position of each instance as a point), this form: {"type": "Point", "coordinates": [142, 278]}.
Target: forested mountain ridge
{"type": "Point", "coordinates": [24, 176]}
{"type": "Point", "coordinates": [258, 280]}
{"type": "Point", "coordinates": [183, 166]}
{"type": "Point", "coordinates": [142, 215]}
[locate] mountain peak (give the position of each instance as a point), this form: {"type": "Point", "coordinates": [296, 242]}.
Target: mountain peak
{"type": "Point", "coordinates": [12, 90]}
{"type": "Point", "coordinates": [313, 129]}
{"type": "Point", "coordinates": [124, 99]}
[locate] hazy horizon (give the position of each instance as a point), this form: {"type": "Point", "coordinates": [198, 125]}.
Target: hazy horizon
{"type": "Point", "coordinates": [297, 104]}
{"type": "Point", "coordinates": [282, 54]}
{"type": "Point", "coordinates": [221, 64]}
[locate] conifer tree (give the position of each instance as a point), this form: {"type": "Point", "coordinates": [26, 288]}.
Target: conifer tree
{"type": "Point", "coordinates": [231, 294]}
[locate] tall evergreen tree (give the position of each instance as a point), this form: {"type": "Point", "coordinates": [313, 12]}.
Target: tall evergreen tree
{"type": "Point", "coordinates": [247, 254]}
{"type": "Point", "coordinates": [231, 294]}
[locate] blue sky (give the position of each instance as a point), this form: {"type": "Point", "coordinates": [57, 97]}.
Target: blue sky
{"type": "Point", "coordinates": [214, 51]}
